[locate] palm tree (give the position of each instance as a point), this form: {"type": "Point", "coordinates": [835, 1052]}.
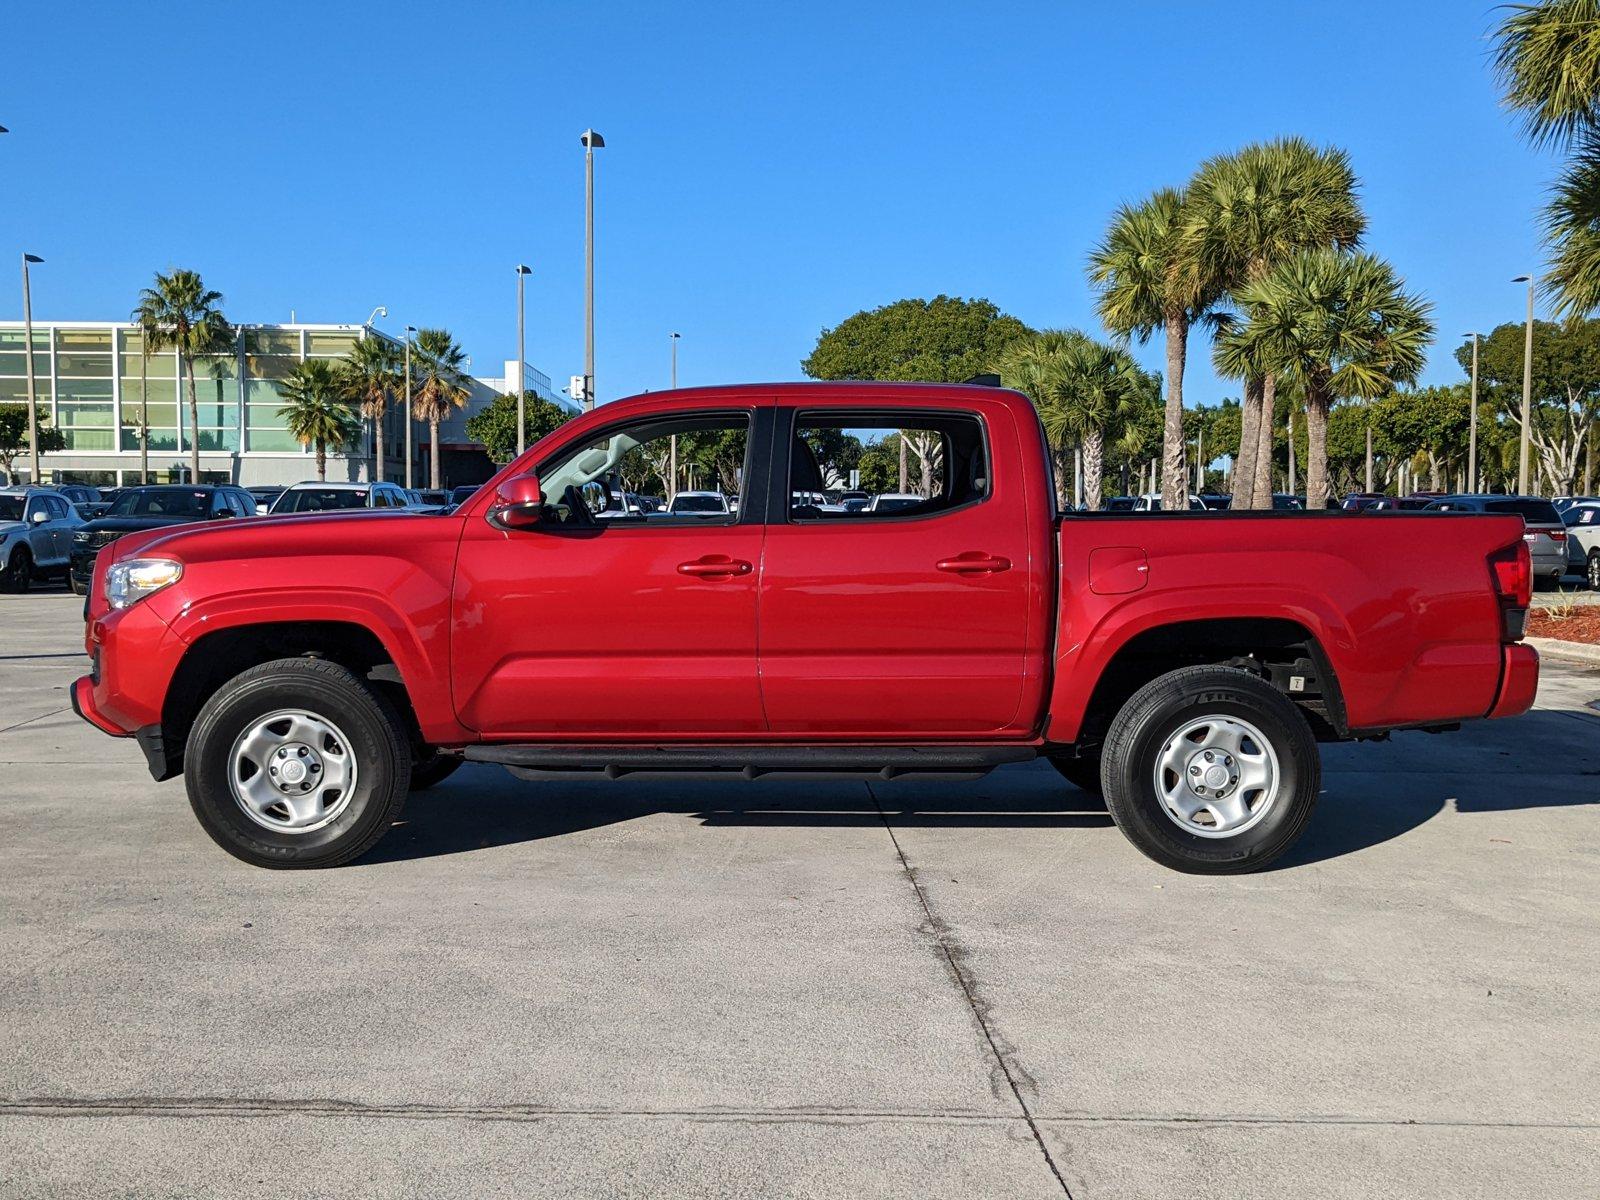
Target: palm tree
{"type": "Point", "coordinates": [372, 378]}
{"type": "Point", "coordinates": [1149, 279]}
{"type": "Point", "coordinates": [179, 313]}
{"type": "Point", "coordinates": [1080, 387]}
{"type": "Point", "coordinates": [1247, 212]}
{"type": "Point", "coordinates": [316, 413]}
{"type": "Point", "coordinates": [438, 374]}
{"type": "Point", "coordinates": [1333, 325]}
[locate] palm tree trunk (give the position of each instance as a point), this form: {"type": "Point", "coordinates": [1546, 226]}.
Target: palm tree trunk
{"type": "Point", "coordinates": [1261, 496]}
{"type": "Point", "coordinates": [194, 423]}
{"type": "Point", "coordinates": [1316, 452]}
{"type": "Point", "coordinates": [322, 459]}
{"type": "Point", "coordinates": [1244, 462]}
{"type": "Point", "coordinates": [377, 444]}
{"type": "Point", "coordinates": [1093, 466]}
{"type": "Point", "coordinates": [433, 453]}
{"type": "Point", "coordinates": [1174, 468]}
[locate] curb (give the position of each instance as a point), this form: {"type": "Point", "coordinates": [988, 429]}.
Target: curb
{"type": "Point", "coordinates": [1572, 652]}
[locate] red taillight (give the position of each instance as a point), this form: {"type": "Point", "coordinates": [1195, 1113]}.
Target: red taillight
{"type": "Point", "coordinates": [1557, 535]}
{"type": "Point", "coordinates": [1513, 575]}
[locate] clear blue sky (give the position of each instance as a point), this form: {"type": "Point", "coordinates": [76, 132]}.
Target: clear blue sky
{"type": "Point", "coordinates": [770, 169]}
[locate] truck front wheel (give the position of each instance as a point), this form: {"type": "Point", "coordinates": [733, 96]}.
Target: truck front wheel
{"type": "Point", "coordinates": [297, 763]}
{"type": "Point", "coordinates": [1211, 770]}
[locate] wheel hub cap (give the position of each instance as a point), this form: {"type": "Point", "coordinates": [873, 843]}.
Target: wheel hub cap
{"type": "Point", "coordinates": [1216, 776]}
{"type": "Point", "coordinates": [292, 771]}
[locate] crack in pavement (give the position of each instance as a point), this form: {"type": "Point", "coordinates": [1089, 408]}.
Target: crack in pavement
{"type": "Point", "coordinates": [56, 712]}
{"type": "Point", "coordinates": [1010, 1071]}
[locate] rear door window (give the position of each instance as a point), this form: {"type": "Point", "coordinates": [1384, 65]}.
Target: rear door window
{"type": "Point", "coordinates": [910, 464]}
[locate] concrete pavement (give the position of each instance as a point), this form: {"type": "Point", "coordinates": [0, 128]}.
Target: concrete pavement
{"type": "Point", "coordinates": [812, 990]}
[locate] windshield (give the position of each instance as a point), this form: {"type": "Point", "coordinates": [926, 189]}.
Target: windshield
{"type": "Point", "coordinates": [319, 500]}
{"type": "Point", "coordinates": [10, 508]}
{"type": "Point", "coordinates": [161, 502]}
{"type": "Point", "coordinates": [705, 504]}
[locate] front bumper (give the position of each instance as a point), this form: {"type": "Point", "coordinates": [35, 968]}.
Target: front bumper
{"type": "Point", "coordinates": [134, 655]}
{"type": "Point", "coordinates": [1519, 680]}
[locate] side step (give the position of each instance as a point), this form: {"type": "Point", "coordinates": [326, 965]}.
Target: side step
{"type": "Point", "coordinates": [568, 761]}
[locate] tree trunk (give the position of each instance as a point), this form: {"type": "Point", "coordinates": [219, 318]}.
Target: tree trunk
{"type": "Point", "coordinates": [1060, 473]}
{"type": "Point", "coordinates": [1369, 450]}
{"type": "Point", "coordinates": [1093, 467]}
{"type": "Point", "coordinates": [1244, 461]}
{"type": "Point", "coordinates": [902, 462]}
{"type": "Point", "coordinates": [1174, 462]}
{"type": "Point", "coordinates": [1316, 451]}
{"type": "Point", "coordinates": [322, 459]}
{"type": "Point", "coordinates": [194, 423]}
{"type": "Point", "coordinates": [1261, 496]}
{"type": "Point", "coordinates": [433, 453]}
{"type": "Point", "coordinates": [377, 440]}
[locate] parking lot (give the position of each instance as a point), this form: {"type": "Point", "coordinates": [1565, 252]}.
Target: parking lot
{"type": "Point", "coordinates": [828, 989]}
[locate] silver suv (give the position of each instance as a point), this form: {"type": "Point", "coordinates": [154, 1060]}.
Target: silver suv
{"type": "Point", "coordinates": [36, 526]}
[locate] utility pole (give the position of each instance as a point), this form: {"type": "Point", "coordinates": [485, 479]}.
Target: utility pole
{"type": "Point", "coordinates": [1369, 449]}
{"type": "Point", "coordinates": [27, 354]}
{"type": "Point", "coordinates": [672, 487]}
{"type": "Point", "coordinates": [1291, 457]}
{"type": "Point", "coordinates": [1527, 390]}
{"type": "Point", "coordinates": [1200, 462]}
{"type": "Point", "coordinates": [406, 424]}
{"type": "Point", "coordinates": [522, 357]}
{"type": "Point", "coordinates": [1472, 420]}
{"type": "Point", "coordinates": [591, 141]}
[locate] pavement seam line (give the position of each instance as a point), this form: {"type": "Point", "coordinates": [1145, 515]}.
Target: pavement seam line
{"type": "Point", "coordinates": [53, 713]}
{"type": "Point", "coordinates": [960, 977]}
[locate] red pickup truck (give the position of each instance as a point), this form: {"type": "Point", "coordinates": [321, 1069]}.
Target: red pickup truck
{"type": "Point", "coordinates": [305, 674]}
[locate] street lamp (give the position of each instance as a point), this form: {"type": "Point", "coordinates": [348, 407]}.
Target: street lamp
{"type": "Point", "coordinates": [27, 353]}
{"type": "Point", "coordinates": [522, 357]}
{"type": "Point", "coordinates": [380, 311]}
{"type": "Point", "coordinates": [405, 423]}
{"type": "Point", "coordinates": [671, 487]}
{"type": "Point", "coordinates": [1527, 390]}
{"type": "Point", "coordinates": [591, 142]}
{"type": "Point", "coordinates": [1472, 419]}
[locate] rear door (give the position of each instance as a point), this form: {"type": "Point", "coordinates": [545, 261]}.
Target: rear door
{"type": "Point", "coordinates": [627, 626]}
{"type": "Point", "coordinates": [910, 623]}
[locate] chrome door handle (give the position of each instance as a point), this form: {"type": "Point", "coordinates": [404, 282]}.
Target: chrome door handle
{"type": "Point", "coordinates": [974, 563]}
{"type": "Point", "coordinates": [715, 565]}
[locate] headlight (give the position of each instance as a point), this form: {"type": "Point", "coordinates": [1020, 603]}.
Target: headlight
{"type": "Point", "coordinates": [81, 537]}
{"type": "Point", "coordinates": [130, 582]}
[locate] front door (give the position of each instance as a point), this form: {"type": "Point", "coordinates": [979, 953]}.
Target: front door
{"type": "Point", "coordinates": [608, 623]}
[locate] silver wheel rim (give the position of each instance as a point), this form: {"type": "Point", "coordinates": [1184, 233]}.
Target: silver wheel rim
{"type": "Point", "coordinates": [1217, 776]}
{"type": "Point", "coordinates": [292, 771]}
{"type": "Point", "coordinates": [1594, 572]}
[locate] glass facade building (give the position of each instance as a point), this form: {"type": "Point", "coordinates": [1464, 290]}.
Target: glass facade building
{"type": "Point", "coordinates": [100, 388]}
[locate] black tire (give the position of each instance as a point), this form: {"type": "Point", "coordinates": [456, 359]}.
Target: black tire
{"type": "Point", "coordinates": [1081, 773]}
{"type": "Point", "coordinates": [78, 589]}
{"type": "Point", "coordinates": [1593, 571]}
{"type": "Point", "coordinates": [18, 573]}
{"type": "Point", "coordinates": [1157, 713]}
{"type": "Point", "coordinates": [434, 769]}
{"type": "Point", "coordinates": [377, 746]}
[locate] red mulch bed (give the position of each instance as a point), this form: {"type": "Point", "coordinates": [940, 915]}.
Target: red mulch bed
{"type": "Point", "coordinates": [1582, 626]}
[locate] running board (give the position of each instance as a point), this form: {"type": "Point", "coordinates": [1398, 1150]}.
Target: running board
{"type": "Point", "coordinates": [568, 761]}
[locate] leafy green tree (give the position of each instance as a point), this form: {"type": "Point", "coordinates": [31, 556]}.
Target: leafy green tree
{"type": "Point", "coordinates": [943, 340]}
{"type": "Point", "coordinates": [1547, 58]}
{"type": "Point", "coordinates": [1149, 278]}
{"type": "Point", "coordinates": [439, 378]}
{"type": "Point", "coordinates": [496, 426]}
{"type": "Point", "coordinates": [838, 453]}
{"type": "Point", "coordinates": [1247, 212]}
{"type": "Point", "coordinates": [1337, 325]}
{"type": "Point", "coordinates": [879, 464]}
{"type": "Point", "coordinates": [1430, 422]}
{"type": "Point", "coordinates": [14, 434]}
{"type": "Point", "coordinates": [180, 313]}
{"type": "Point", "coordinates": [316, 413]}
{"type": "Point", "coordinates": [372, 378]}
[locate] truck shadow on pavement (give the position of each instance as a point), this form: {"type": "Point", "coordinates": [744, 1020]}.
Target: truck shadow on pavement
{"type": "Point", "coordinates": [1371, 794]}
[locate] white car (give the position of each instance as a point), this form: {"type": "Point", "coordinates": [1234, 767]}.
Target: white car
{"type": "Point", "coordinates": [1151, 502]}
{"type": "Point", "coordinates": [1583, 540]}
{"type": "Point", "coordinates": [699, 504]}
{"type": "Point", "coordinates": [316, 497]}
{"type": "Point", "coordinates": [891, 501]}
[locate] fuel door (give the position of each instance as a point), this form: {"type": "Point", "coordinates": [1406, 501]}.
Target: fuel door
{"type": "Point", "coordinates": [1115, 570]}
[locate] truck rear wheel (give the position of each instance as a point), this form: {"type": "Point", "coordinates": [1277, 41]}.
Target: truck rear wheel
{"type": "Point", "coordinates": [1210, 770]}
{"type": "Point", "coordinates": [297, 763]}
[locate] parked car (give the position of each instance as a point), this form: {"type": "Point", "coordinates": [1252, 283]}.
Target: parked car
{"type": "Point", "coordinates": [1563, 503]}
{"type": "Point", "coordinates": [1216, 503]}
{"type": "Point", "coordinates": [87, 500]}
{"type": "Point", "coordinates": [710, 504]}
{"type": "Point", "coordinates": [265, 495]}
{"type": "Point", "coordinates": [849, 494]}
{"type": "Point", "coordinates": [1544, 533]}
{"type": "Point", "coordinates": [885, 502]}
{"type": "Point", "coordinates": [1284, 502]}
{"type": "Point", "coordinates": [1413, 503]}
{"type": "Point", "coordinates": [155, 506]}
{"type": "Point", "coordinates": [36, 528]}
{"type": "Point", "coordinates": [1583, 540]}
{"type": "Point", "coordinates": [460, 495]}
{"type": "Point", "coordinates": [319, 497]}
{"type": "Point", "coordinates": [1198, 663]}
{"type": "Point", "coordinates": [1120, 504]}
{"type": "Point", "coordinates": [1361, 501]}
{"type": "Point", "coordinates": [1151, 502]}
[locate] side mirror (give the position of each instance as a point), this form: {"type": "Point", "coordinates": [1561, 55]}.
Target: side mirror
{"type": "Point", "coordinates": [518, 503]}
{"type": "Point", "coordinates": [40, 517]}
{"type": "Point", "coordinates": [594, 497]}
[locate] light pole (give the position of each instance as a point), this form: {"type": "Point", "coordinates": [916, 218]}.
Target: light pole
{"type": "Point", "coordinates": [405, 423]}
{"type": "Point", "coordinates": [522, 357]}
{"type": "Point", "coordinates": [1472, 419]}
{"type": "Point", "coordinates": [27, 352]}
{"type": "Point", "coordinates": [1527, 390]}
{"type": "Point", "coordinates": [377, 423]}
{"type": "Point", "coordinates": [591, 141]}
{"type": "Point", "coordinates": [672, 487]}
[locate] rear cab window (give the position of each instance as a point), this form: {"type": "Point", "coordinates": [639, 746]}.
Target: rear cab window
{"type": "Point", "coordinates": [946, 463]}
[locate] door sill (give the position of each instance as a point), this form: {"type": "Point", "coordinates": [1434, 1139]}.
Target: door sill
{"type": "Point", "coordinates": [567, 761]}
